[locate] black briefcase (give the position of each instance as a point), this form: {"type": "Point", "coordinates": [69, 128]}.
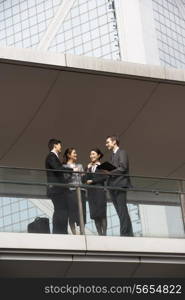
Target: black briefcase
{"type": "Point", "coordinates": [39, 225]}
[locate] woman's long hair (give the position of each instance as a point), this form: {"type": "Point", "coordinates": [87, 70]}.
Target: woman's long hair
{"type": "Point", "coordinates": [67, 152]}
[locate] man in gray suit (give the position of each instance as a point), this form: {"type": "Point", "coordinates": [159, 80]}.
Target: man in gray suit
{"type": "Point", "coordinates": [119, 178]}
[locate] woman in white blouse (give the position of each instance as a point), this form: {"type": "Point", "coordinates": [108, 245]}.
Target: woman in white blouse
{"type": "Point", "coordinates": [70, 161]}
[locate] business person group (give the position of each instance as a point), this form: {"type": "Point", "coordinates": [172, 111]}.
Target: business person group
{"type": "Point", "coordinates": [65, 199]}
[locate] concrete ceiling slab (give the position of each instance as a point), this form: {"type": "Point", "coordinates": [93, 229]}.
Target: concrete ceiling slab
{"type": "Point", "coordinates": [81, 107]}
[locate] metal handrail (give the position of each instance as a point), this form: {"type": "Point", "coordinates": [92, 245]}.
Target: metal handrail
{"type": "Point", "coordinates": [83, 172]}
{"type": "Point", "coordinates": [86, 186]}
{"type": "Point", "coordinates": [79, 186]}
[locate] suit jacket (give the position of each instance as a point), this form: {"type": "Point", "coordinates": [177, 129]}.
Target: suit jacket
{"type": "Point", "coordinates": [121, 162]}
{"type": "Point", "coordinates": [52, 162]}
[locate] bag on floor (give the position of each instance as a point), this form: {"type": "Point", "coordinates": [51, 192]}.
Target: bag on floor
{"type": "Point", "coordinates": [39, 225]}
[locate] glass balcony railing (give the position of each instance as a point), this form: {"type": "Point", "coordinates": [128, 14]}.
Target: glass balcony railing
{"type": "Point", "coordinates": [156, 206]}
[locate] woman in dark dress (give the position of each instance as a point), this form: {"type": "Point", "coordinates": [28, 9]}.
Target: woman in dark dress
{"type": "Point", "coordinates": [70, 160]}
{"type": "Point", "coordinates": [97, 197]}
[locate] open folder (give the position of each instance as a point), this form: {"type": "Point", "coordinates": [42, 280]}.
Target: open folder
{"type": "Point", "coordinates": [106, 166]}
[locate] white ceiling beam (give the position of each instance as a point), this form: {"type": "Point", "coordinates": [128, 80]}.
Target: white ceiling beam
{"type": "Point", "coordinates": [55, 24]}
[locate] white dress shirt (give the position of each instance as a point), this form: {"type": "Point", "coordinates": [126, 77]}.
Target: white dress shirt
{"type": "Point", "coordinates": [93, 168]}
{"type": "Point", "coordinates": [55, 153]}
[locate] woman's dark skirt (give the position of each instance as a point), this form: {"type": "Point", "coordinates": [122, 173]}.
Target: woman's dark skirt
{"type": "Point", "coordinates": [73, 206]}
{"type": "Point", "coordinates": [97, 203]}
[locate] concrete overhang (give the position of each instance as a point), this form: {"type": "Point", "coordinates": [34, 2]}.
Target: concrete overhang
{"type": "Point", "coordinates": [43, 255]}
{"type": "Point", "coordinates": [81, 100]}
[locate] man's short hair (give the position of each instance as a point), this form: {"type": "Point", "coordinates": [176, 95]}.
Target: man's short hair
{"type": "Point", "coordinates": [114, 138]}
{"type": "Point", "coordinates": [53, 142]}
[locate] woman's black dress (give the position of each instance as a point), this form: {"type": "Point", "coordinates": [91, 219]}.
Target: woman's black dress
{"type": "Point", "coordinates": [97, 197]}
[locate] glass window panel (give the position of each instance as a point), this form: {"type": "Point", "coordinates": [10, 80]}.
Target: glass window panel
{"type": "Point", "coordinates": [24, 226]}
{"type": "Point", "coordinates": [95, 33]}
{"type": "Point", "coordinates": [8, 22]}
{"type": "Point", "coordinates": [93, 24]}
{"type": "Point", "coordinates": [104, 29]}
{"type": "Point", "coordinates": [47, 4]}
{"type": "Point", "coordinates": [15, 9]}
{"type": "Point", "coordinates": [32, 212]}
{"type": "Point", "coordinates": [25, 33]}
{"type": "Point", "coordinates": [15, 206]}
{"type": "Point", "coordinates": [86, 37]}
{"type": "Point", "coordinates": [61, 47]}
{"type": "Point", "coordinates": [87, 47]}
{"type": "Point", "coordinates": [96, 43]}
{"type": "Point", "coordinates": [34, 30]}
{"type": "Point", "coordinates": [67, 25]}
{"type": "Point", "coordinates": [77, 40]}
{"type": "Point", "coordinates": [1, 222]}
{"type": "Point", "coordinates": [93, 14]}
{"type": "Point", "coordinates": [69, 44]}
{"type": "Point", "coordinates": [102, 20]}
{"type": "Point", "coordinates": [23, 5]}
{"type": "Point", "coordinates": [49, 14]}
{"type": "Point", "coordinates": [25, 24]}
{"type": "Point", "coordinates": [7, 220]}
{"type": "Point", "coordinates": [24, 15]}
{"type": "Point", "coordinates": [23, 204]}
{"type": "Point", "coordinates": [84, 18]}
{"type": "Point", "coordinates": [32, 12]}
{"type": "Point", "coordinates": [41, 26]}
{"type": "Point", "coordinates": [1, 16]}
{"type": "Point", "coordinates": [105, 39]}
{"type": "Point", "coordinates": [18, 44]}
{"type": "Point", "coordinates": [40, 7]}
{"type": "Point", "coordinates": [24, 215]}
{"type": "Point", "coordinates": [7, 4]}
{"type": "Point", "coordinates": [30, 204]}
{"type": "Point", "coordinates": [76, 31]}
{"type": "Point", "coordinates": [74, 12]}
{"type": "Point", "coordinates": [17, 28]}
{"type": "Point", "coordinates": [9, 31]}
{"type": "Point", "coordinates": [8, 13]}
{"type": "Point", "coordinates": [92, 4]}
{"type": "Point", "coordinates": [32, 20]}
{"type": "Point", "coordinates": [74, 22]}
{"type": "Point", "coordinates": [6, 210]}
{"type": "Point", "coordinates": [68, 36]}
{"type": "Point", "coordinates": [83, 8]}
{"type": "Point", "coordinates": [78, 50]}
{"type": "Point", "coordinates": [97, 52]}
{"type": "Point", "coordinates": [85, 27]}
{"type": "Point", "coordinates": [15, 218]}
{"type": "Point", "coordinates": [16, 227]}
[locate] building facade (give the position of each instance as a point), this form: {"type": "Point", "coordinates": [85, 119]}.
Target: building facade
{"type": "Point", "coordinates": [140, 31]}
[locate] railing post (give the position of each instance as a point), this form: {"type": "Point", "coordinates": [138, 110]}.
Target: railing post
{"type": "Point", "coordinates": [182, 201]}
{"type": "Point", "coordinates": [80, 210]}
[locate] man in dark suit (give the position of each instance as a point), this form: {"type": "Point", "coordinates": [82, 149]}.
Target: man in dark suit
{"type": "Point", "coordinates": [54, 192]}
{"type": "Point", "coordinates": [119, 178]}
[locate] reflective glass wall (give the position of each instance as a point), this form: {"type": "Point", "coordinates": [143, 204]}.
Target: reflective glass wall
{"type": "Point", "coordinates": [16, 213]}
{"type": "Point", "coordinates": [24, 22]}
{"type": "Point", "coordinates": [160, 209]}
{"type": "Point", "coordinates": [169, 17]}
{"type": "Point", "coordinates": [90, 29]}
